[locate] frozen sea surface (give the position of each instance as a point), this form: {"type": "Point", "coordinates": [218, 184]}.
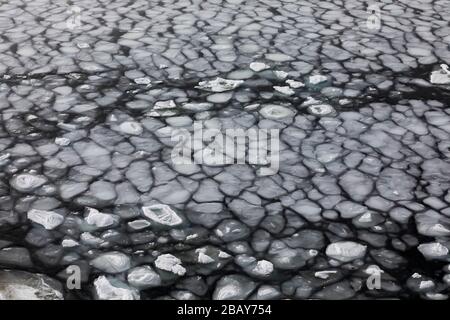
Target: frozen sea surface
{"type": "Point", "coordinates": [91, 93]}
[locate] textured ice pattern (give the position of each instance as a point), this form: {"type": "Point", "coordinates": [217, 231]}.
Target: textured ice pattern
{"type": "Point", "coordinates": [91, 92]}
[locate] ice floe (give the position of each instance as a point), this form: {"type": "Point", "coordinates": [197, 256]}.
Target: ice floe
{"type": "Point", "coordinates": [170, 263]}
{"type": "Point", "coordinates": [346, 251]}
{"type": "Point", "coordinates": [219, 85]}
{"type": "Point", "coordinates": [108, 288]}
{"type": "Point", "coordinates": [48, 219]}
{"type": "Point", "coordinates": [258, 66]}
{"type": "Point", "coordinates": [162, 214]}
{"type": "Point", "coordinates": [275, 112]}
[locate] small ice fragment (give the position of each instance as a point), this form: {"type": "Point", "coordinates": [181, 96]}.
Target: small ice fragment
{"type": "Point", "coordinates": [426, 284]}
{"type": "Point", "coordinates": [26, 182]}
{"type": "Point", "coordinates": [275, 112]}
{"type": "Point", "coordinates": [131, 127]}
{"type": "Point", "coordinates": [263, 268]}
{"type": "Point", "coordinates": [168, 104]}
{"type": "Point", "coordinates": [344, 102]}
{"type": "Point", "coordinates": [98, 219]}
{"type": "Point", "coordinates": [284, 90]}
{"type": "Point", "coordinates": [192, 236]}
{"type": "Point", "coordinates": [258, 66]}
{"type": "Point", "coordinates": [223, 255]}
{"type": "Point", "coordinates": [295, 84]}
{"type": "Point", "coordinates": [69, 243]}
{"type": "Point", "coordinates": [252, 106]}
{"type": "Point", "coordinates": [161, 113]}
{"type": "Point", "coordinates": [48, 219]}
{"type": "Point", "coordinates": [316, 79]}
{"type": "Point", "coordinates": [113, 289]}
{"type": "Point", "coordinates": [112, 262]}
{"type": "Point", "coordinates": [170, 263]}
{"type": "Point", "coordinates": [4, 156]}
{"type": "Point", "coordinates": [219, 85]}
{"type": "Point", "coordinates": [346, 251]}
{"type": "Point", "coordinates": [325, 274]}
{"type": "Point", "coordinates": [203, 257]}
{"type": "Point", "coordinates": [83, 45]}
{"type": "Point", "coordinates": [281, 74]}
{"type": "Point", "coordinates": [433, 250]}
{"type": "Point", "coordinates": [143, 81]}
{"type": "Point", "coordinates": [162, 214]}
{"type": "Point", "coordinates": [321, 109]}
{"type": "Point", "coordinates": [310, 101]}
{"type": "Point", "coordinates": [62, 141]}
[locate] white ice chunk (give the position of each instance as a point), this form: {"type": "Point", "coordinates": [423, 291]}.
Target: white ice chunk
{"type": "Point", "coordinates": [281, 74]}
{"type": "Point", "coordinates": [113, 289]}
{"type": "Point", "coordinates": [258, 66]}
{"type": "Point", "coordinates": [219, 85]}
{"type": "Point", "coordinates": [295, 84]}
{"type": "Point", "coordinates": [316, 79]}
{"type": "Point", "coordinates": [433, 250]}
{"type": "Point", "coordinates": [69, 243]}
{"type": "Point", "coordinates": [83, 45]}
{"type": "Point", "coordinates": [48, 219]}
{"type": "Point", "coordinates": [170, 263]}
{"type": "Point", "coordinates": [26, 182]}
{"type": "Point", "coordinates": [143, 81]}
{"type": "Point", "coordinates": [143, 277]}
{"type": "Point", "coordinates": [168, 104]}
{"type": "Point", "coordinates": [162, 214]}
{"type": "Point", "coordinates": [112, 262]}
{"type": "Point", "coordinates": [275, 112]}
{"type": "Point", "coordinates": [284, 90]}
{"type": "Point", "coordinates": [426, 284]}
{"type": "Point", "coordinates": [325, 274]}
{"type": "Point", "coordinates": [90, 240]}
{"type": "Point", "coordinates": [223, 255]}
{"type": "Point", "coordinates": [321, 110]}
{"type": "Point", "coordinates": [98, 219]}
{"type": "Point", "coordinates": [21, 285]}
{"type": "Point", "coordinates": [162, 113]}
{"type": "Point", "coordinates": [310, 101]}
{"type": "Point", "coordinates": [203, 257]}
{"type": "Point", "coordinates": [252, 106]}
{"type": "Point", "coordinates": [131, 127]}
{"type": "Point", "coordinates": [263, 268]}
{"type": "Point", "coordinates": [346, 251]}
{"type": "Point", "coordinates": [62, 141]}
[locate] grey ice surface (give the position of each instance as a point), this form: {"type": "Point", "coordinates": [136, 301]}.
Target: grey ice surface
{"type": "Point", "coordinates": [90, 94]}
